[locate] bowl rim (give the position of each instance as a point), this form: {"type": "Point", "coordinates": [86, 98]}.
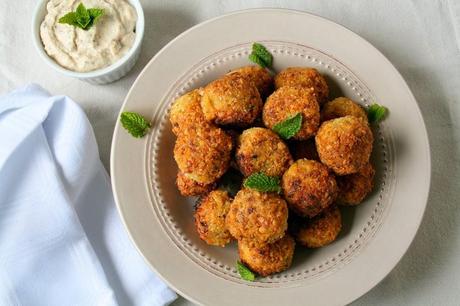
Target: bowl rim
{"type": "Point", "coordinates": [36, 23]}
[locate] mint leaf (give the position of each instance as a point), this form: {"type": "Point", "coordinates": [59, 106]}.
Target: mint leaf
{"type": "Point", "coordinates": [257, 60]}
{"type": "Point", "coordinates": [263, 183]}
{"type": "Point", "coordinates": [95, 14]}
{"type": "Point", "coordinates": [376, 113]}
{"type": "Point", "coordinates": [82, 18]}
{"type": "Point", "coordinates": [231, 182]}
{"type": "Point", "coordinates": [289, 127]}
{"type": "Point", "coordinates": [244, 272]}
{"type": "Point", "coordinates": [261, 56]}
{"type": "Point", "coordinates": [134, 123]}
{"type": "Point", "coordinates": [262, 53]}
{"type": "Point", "coordinates": [69, 18]}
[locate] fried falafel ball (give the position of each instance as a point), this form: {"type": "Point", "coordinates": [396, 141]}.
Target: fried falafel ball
{"type": "Point", "coordinates": [288, 101]}
{"type": "Point", "coordinates": [304, 149]}
{"type": "Point", "coordinates": [203, 154]}
{"type": "Point", "coordinates": [304, 77]}
{"type": "Point", "coordinates": [309, 187]}
{"type": "Point", "coordinates": [261, 150]}
{"type": "Point", "coordinates": [186, 112]}
{"type": "Point", "coordinates": [321, 230]}
{"type": "Point", "coordinates": [231, 100]}
{"type": "Point", "coordinates": [344, 144]}
{"type": "Point", "coordinates": [341, 107]}
{"type": "Point", "coordinates": [188, 187]}
{"type": "Point", "coordinates": [257, 217]}
{"type": "Point", "coordinates": [269, 258]}
{"type": "Point", "coordinates": [258, 76]}
{"type": "Point", "coordinates": [210, 218]}
{"type": "Point", "coordinates": [353, 188]}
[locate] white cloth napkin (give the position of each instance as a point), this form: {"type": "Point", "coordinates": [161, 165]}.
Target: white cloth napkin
{"type": "Point", "coordinates": [61, 239]}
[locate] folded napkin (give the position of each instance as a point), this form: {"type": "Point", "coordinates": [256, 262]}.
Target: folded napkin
{"type": "Point", "coordinates": [61, 239]}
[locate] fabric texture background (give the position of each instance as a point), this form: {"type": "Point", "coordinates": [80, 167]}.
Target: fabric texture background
{"type": "Point", "coordinates": [420, 37]}
{"type": "Point", "coordinates": [62, 240]}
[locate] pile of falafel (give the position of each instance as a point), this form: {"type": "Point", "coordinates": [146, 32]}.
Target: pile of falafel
{"type": "Point", "coordinates": [228, 125]}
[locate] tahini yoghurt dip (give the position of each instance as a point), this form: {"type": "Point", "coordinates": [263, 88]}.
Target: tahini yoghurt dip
{"type": "Point", "coordinates": [99, 46]}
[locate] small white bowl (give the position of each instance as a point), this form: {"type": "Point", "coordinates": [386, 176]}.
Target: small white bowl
{"type": "Point", "coordinates": [100, 76]}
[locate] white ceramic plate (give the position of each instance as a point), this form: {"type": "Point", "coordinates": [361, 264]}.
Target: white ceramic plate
{"type": "Point", "coordinates": [376, 234]}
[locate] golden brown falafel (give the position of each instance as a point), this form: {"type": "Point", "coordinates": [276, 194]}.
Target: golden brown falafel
{"type": "Point", "coordinates": [309, 187]}
{"type": "Point", "coordinates": [210, 218]}
{"type": "Point", "coordinates": [188, 187]}
{"type": "Point", "coordinates": [258, 76]}
{"type": "Point", "coordinates": [353, 188]}
{"type": "Point", "coordinates": [288, 101]}
{"type": "Point", "coordinates": [269, 258]}
{"type": "Point", "coordinates": [257, 217]}
{"type": "Point", "coordinates": [305, 77]}
{"type": "Point", "coordinates": [304, 149]}
{"type": "Point", "coordinates": [186, 112]}
{"type": "Point", "coordinates": [203, 154]}
{"type": "Point", "coordinates": [344, 144]}
{"type": "Point", "coordinates": [231, 100]}
{"type": "Point", "coordinates": [261, 150]}
{"type": "Point", "coordinates": [341, 107]}
{"type": "Point", "coordinates": [321, 230]}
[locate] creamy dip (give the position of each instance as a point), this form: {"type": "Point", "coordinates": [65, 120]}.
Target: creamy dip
{"type": "Point", "coordinates": [100, 46]}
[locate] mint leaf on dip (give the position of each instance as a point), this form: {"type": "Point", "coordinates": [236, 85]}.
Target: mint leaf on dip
{"type": "Point", "coordinates": [82, 18]}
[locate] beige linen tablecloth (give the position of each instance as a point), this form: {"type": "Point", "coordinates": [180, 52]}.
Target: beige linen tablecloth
{"type": "Point", "coordinates": [421, 38]}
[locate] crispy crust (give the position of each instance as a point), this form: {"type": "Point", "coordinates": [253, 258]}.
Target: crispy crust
{"type": "Point", "coordinates": [259, 77]}
{"type": "Point", "coordinates": [342, 107]}
{"type": "Point", "coordinates": [203, 154]}
{"type": "Point", "coordinates": [309, 187]}
{"type": "Point", "coordinates": [188, 187]}
{"type": "Point", "coordinates": [304, 77]}
{"type": "Point", "coordinates": [355, 187]}
{"type": "Point", "coordinates": [261, 150]}
{"type": "Point", "coordinates": [257, 217]}
{"type": "Point", "coordinates": [321, 230]}
{"type": "Point", "coordinates": [287, 101]}
{"type": "Point", "coordinates": [186, 112]}
{"type": "Point", "coordinates": [231, 100]}
{"type": "Point", "coordinates": [344, 144]}
{"type": "Point", "coordinates": [267, 259]}
{"type": "Point", "coordinates": [210, 218]}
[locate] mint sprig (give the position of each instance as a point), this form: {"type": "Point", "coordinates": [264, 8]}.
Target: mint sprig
{"type": "Point", "coordinates": [261, 56]}
{"type": "Point", "coordinates": [263, 183]}
{"type": "Point", "coordinates": [82, 18]}
{"type": "Point", "coordinates": [289, 127]}
{"type": "Point", "coordinates": [244, 272]}
{"type": "Point", "coordinates": [376, 113]}
{"type": "Point", "coordinates": [134, 123]}
{"type": "Point", "coordinates": [95, 14]}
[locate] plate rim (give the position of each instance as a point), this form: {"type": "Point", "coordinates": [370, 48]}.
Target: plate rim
{"type": "Point", "coordinates": [284, 11]}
